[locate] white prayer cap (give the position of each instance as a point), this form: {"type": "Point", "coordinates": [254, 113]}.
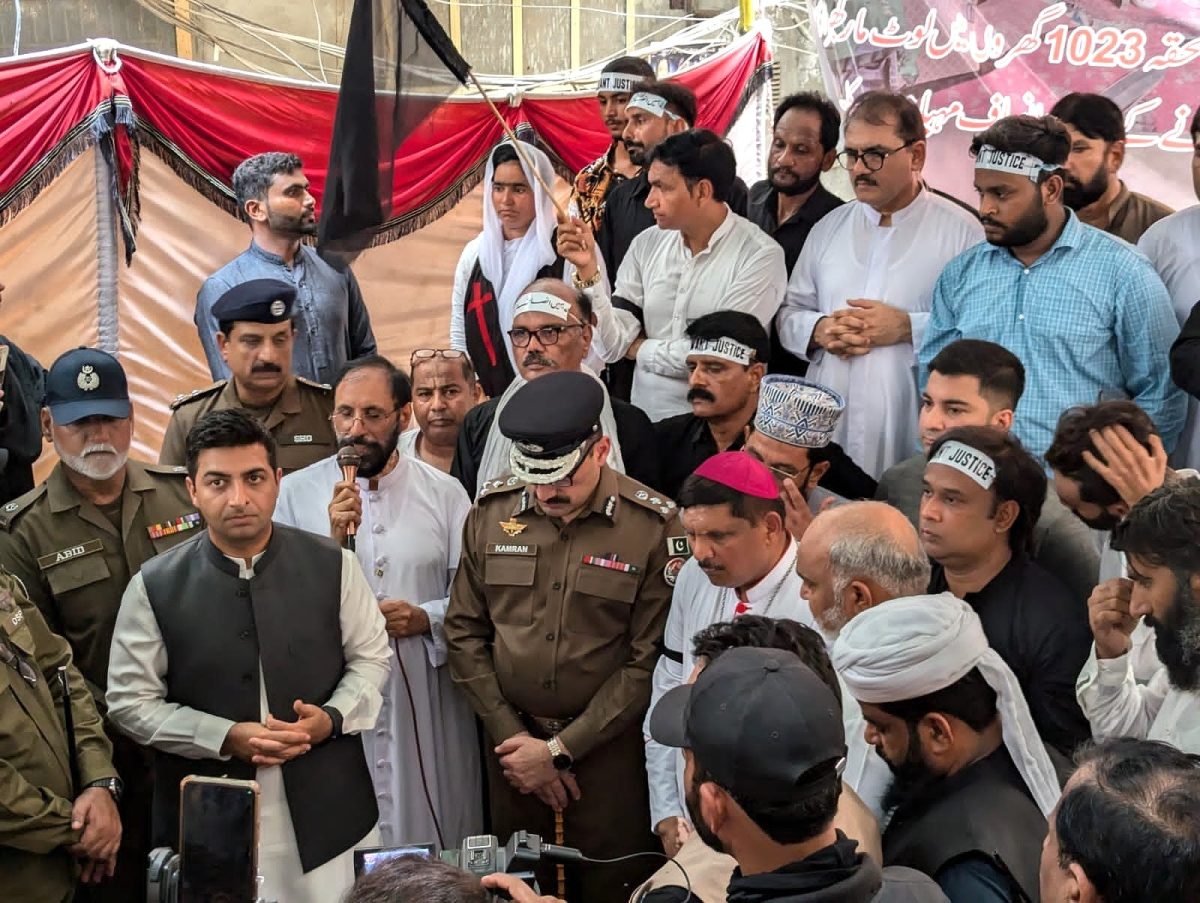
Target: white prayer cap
{"type": "Point", "coordinates": [911, 647]}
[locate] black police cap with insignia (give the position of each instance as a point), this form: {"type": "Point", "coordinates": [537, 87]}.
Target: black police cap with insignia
{"type": "Point", "coordinates": [256, 301]}
{"type": "Point", "coordinates": [86, 382]}
{"type": "Point", "coordinates": [548, 420]}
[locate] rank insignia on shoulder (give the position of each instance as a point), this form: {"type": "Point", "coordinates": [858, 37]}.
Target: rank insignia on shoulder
{"type": "Point", "coordinates": [671, 571]}
{"type": "Point", "coordinates": [512, 527]}
{"type": "Point", "coordinates": [610, 506]}
{"type": "Point", "coordinates": [11, 506]}
{"type": "Point", "coordinates": [678, 545]}
{"type": "Point", "coordinates": [170, 528]}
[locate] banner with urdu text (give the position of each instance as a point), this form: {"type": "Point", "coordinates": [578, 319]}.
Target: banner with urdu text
{"type": "Point", "coordinates": [968, 63]}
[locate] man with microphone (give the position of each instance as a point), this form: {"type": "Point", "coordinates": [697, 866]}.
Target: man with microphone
{"type": "Point", "coordinates": [404, 520]}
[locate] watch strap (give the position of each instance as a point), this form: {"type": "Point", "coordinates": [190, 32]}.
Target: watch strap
{"type": "Point", "coordinates": [113, 785]}
{"type": "Point", "coordinates": [336, 717]}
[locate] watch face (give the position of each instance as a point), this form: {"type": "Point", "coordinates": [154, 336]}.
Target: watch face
{"type": "Point", "coordinates": [562, 762]}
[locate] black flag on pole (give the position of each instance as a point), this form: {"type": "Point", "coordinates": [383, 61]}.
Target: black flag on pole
{"type": "Point", "coordinates": [399, 66]}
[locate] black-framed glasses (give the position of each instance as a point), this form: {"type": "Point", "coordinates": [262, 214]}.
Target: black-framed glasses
{"type": "Point", "coordinates": [872, 159]}
{"type": "Point", "coordinates": [546, 335]}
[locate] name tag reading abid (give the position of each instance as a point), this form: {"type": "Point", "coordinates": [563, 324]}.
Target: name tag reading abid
{"type": "Point", "coordinates": [69, 553]}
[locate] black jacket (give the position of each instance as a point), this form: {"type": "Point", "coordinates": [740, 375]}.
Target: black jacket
{"type": "Point", "coordinates": [634, 432]}
{"type": "Point", "coordinates": [20, 424]}
{"type": "Point", "coordinates": [836, 874]}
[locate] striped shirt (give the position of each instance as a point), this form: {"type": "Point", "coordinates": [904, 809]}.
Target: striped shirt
{"type": "Point", "coordinates": [1089, 319]}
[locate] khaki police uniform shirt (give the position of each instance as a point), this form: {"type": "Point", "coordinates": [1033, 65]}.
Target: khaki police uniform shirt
{"type": "Point", "coordinates": [299, 421]}
{"type": "Point", "coordinates": [75, 563]}
{"type": "Point", "coordinates": [35, 771]}
{"type": "Point", "coordinates": [537, 625]}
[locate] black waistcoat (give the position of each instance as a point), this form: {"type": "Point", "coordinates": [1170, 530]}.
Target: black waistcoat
{"type": "Point", "coordinates": [487, 341]}
{"type": "Point", "coordinates": [984, 809]}
{"type": "Point", "coordinates": [216, 629]}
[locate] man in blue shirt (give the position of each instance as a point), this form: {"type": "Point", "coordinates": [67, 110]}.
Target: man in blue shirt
{"type": "Point", "coordinates": [1084, 312]}
{"type": "Point", "coordinates": [331, 319]}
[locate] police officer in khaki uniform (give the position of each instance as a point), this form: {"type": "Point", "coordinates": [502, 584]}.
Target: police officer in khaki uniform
{"type": "Point", "coordinates": [77, 539]}
{"type": "Point", "coordinates": [256, 337]}
{"type": "Point", "coordinates": [553, 628]}
{"type": "Point", "coordinates": [42, 853]}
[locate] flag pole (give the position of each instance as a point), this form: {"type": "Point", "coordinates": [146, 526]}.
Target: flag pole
{"type": "Point", "coordinates": [562, 214]}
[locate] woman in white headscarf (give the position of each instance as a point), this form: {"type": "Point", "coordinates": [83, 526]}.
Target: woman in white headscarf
{"type": "Point", "coordinates": [515, 247]}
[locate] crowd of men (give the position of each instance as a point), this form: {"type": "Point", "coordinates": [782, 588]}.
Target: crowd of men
{"type": "Point", "coordinates": [836, 551]}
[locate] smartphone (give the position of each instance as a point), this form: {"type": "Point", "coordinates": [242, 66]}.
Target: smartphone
{"type": "Point", "coordinates": [218, 840]}
{"type": "Point", "coordinates": [369, 858]}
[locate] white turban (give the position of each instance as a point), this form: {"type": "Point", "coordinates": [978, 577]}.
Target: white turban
{"type": "Point", "coordinates": [919, 645]}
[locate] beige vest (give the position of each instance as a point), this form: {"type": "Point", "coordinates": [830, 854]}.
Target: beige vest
{"type": "Point", "coordinates": [708, 870]}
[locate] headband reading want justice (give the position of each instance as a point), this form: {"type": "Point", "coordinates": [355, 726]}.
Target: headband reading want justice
{"type": "Point", "coordinates": [1018, 163]}
{"type": "Point", "coordinates": [974, 463]}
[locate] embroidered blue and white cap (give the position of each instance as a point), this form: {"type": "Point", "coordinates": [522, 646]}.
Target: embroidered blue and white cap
{"type": "Point", "coordinates": [797, 412]}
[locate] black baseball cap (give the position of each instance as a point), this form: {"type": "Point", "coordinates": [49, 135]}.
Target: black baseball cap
{"type": "Point", "coordinates": [86, 382]}
{"type": "Point", "coordinates": [548, 420]}
{"type": "Point", "coordinates": [757, 720]}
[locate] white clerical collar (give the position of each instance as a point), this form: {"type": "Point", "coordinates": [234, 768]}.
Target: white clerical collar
{"type": "Point", "coordinates": [910, 210]}
{"type": "Point", "coordinates": [393, 477]}
{"type": "Point", "coordinates": [769, 585]}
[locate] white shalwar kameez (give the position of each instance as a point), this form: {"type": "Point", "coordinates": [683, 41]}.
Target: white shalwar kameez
{"type": "Point", "coordinates": [848, 255]}
{"type": "Point", "coordinates": [1171, 246]}
{"type": "Point", "coordinates": [409, 544]}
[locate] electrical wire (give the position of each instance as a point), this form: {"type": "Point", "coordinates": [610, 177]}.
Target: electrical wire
{"type": "Point", "coordinates": [412, 707]}
{"type": "Point", "coordinates": [686, 879]}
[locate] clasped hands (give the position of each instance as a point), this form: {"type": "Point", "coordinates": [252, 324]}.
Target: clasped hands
{"type": "Point", "coordinates": [529, 768]}
{"type": "Point", "coordinates": [95, 816]}
{"type": "Point", "coordinates": [863, 325]}
{"type": "Point", "coordinates": [274, 742]}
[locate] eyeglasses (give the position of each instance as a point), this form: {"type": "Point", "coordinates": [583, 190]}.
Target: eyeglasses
{"type": "Point", "coordinates": [343, 418]}
{"type": "Point", "coordinates": [872, 159]}
{"type": "Point", "coordinates": [546, 335]}
{"type": "Point", "coordinates": [428, 354]}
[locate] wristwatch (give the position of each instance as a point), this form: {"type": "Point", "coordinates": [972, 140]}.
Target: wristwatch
{"type": "Point", "coordinates": [584, 283]}
{"type": "Point", "coordinates": [112, 785]}
{"type": "Point", "coordinates": [558, 756]}
{"type": "Point", "coordinates": [336, 717]}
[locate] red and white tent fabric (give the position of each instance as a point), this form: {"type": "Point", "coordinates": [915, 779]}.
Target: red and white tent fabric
{"type": "Point", "coordinates": [102, 145]}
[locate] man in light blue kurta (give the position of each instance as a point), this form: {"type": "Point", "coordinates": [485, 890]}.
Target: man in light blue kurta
{"type": "Point", "coordinates": [1084, 312]}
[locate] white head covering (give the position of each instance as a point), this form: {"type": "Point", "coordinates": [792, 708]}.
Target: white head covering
{"type": "Point", "coordinates": [919, 645]}
{"type": "Point", "coordinates": [534, 250]}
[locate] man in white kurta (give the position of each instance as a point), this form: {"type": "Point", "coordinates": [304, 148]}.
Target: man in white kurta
{"type": "Point", "coordinates": [700, 258]}
{"type": "Point", "coordinates": [408, 543]}
{"type": "Point", "coordinates": [1171, 245]}
{"type": "Point", "coordinates": [859, 296]}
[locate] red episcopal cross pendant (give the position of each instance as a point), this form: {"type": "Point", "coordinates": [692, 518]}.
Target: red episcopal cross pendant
{"type": "Point", "coordinates": [478, 299]}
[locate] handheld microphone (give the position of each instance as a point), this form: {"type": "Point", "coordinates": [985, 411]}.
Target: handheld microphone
{"type": "Point", "coordinates": [348, 460]}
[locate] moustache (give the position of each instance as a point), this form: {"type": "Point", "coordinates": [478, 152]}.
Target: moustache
{"type": "Point", "coordinates": [773, 171]}
{"type": "Point", "coordinates": [557, 500]}
{"type": "Point", "coordinates": [101, 448]}
{"type": "Point", "coordinates": [988, 221]}
{"type": "Point", "coordinates": [700, 394]}
{"type": "Point", "coordinates": [266, 368]}
{"type": "Point", "coordinates": [710, 566]}
{"type": "Point", "coordinates": [535, 358]}
{"type": "Point", "coordinates": [864, 180]}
